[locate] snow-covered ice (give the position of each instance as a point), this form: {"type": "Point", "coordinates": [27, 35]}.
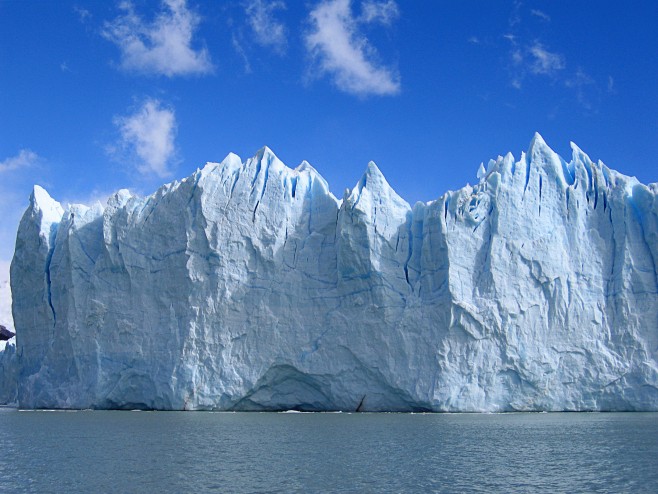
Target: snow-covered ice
{"type": "Point", "coordinates": [249, 286]}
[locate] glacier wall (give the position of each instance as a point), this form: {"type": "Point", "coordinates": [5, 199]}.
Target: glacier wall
{"type": "Point", "coordinates": [249, 286]}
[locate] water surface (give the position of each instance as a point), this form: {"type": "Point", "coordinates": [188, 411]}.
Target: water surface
{"type": "Point", "coordinates": [292, 452]}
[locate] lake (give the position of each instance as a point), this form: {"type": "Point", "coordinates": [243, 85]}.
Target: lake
{"type": "Point", "coordinates": [104, 451]}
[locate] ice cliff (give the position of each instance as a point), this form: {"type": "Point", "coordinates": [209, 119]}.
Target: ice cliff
{"type": "Point", "coordinates": [249, 286]}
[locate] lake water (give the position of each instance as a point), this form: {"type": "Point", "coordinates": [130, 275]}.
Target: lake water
{"type": "Point", "coordinates": [94, 451]}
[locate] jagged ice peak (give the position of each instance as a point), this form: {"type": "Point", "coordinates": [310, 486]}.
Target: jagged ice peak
{"type": "Point", "coordinates": [538, 155]}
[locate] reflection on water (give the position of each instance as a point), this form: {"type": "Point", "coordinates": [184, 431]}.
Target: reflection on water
{"type": "Point", "coordinates": [298, 452]}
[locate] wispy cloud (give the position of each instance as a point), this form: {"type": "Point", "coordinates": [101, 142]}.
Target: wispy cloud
{"type": "Point", "coordinates": [530, 57]}
{"type": "Point", "coordinates": [543, 61]}
{"type": "Point", "coordinates": [541, 14]}
{"type": "Point", "coordinates": [533, 59]}
{"type": "Point", "coordinates": [579, 79]}
{"type": "Point", "coordinates": [515, 15]}
{"type": "Point", "coordinates": [340, 50]}
{"type": "Point", "coordinates": [148, 136]}
{"type": "Point", "coordinates": [83, 14]}
{"type": "Point", "coordinates": [163, 46]}
{"type": "Point", "coordinates": [382, 12]}
{"type": "Point", "coordinates": [267, 29]}
{"type": "Point", "coordinates": [611, 85]}
{"type": "Point", "coordinates": [240, 50]}
{"type": "Point", "coordinates": [24, 159]}
{"type": "Point", "coordinates": [586, 88]}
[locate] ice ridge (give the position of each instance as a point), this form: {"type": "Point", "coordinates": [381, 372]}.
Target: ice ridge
{"type": "Point", "coordinates": [249, 286]}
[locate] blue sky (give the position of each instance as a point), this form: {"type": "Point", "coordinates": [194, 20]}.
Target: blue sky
{"type": "Point", "coordinates": [97, 96]}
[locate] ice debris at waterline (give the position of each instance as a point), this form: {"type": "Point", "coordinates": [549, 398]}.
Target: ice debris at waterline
{"type": "Point", "coordinates": [249, 286]}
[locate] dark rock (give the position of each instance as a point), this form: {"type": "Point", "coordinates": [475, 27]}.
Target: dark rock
{"type": "Point", "coordinates": [5, 334]}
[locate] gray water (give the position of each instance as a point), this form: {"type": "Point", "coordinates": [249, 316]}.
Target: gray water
{"type": "Point", "coordinates": [279, 452]}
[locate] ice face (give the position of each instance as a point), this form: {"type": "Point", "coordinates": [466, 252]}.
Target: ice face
{"type": "Point", "coordinates": [249, 286]}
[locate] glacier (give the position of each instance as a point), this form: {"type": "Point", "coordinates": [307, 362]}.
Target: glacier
{"type": "Point", "coordinates": [250, 286]}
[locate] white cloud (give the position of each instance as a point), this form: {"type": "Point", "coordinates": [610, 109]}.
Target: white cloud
{"type": "Point", "coordinates": [268, 31]}
{"type": "Point", "coordinates": [83, 14]}
{"type": "Point", "coordinates": [149, 134]}
{"type": "Point", "coordinates": [515, 15]}
{"type": "Point", "coordinates": [534, 59]}
{"type": "Point", "coordinates": [340, 50]}
{"type": "Point", "coordinates": [542, 15]}
{"type": "Point", "coordinates": [163, 46]}
{"type": "Point", "coordinates": [586, 89]}
{"type": "Point", "coordinates": [239, 49]}
{"type": "Point", "coordinates": [23, 159]}
{"type": "Point", "coordinates": [531, 60]}
{"type": "Point", "coordinates": [611, 85]}
{"type": "Point", "coordinates": [579, 79]}
{"type": "Point", "coordinates": [545, 62]}
{"type": "Point", "coordinates": [383, 12]}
